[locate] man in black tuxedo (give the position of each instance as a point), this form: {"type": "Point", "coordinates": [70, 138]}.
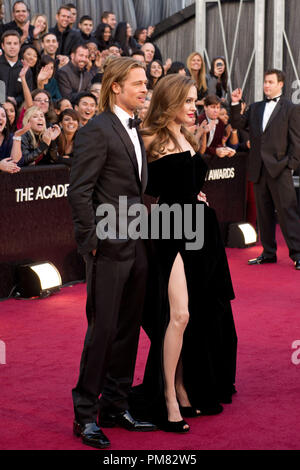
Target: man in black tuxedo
{"type": "Point", "coordinates": [274, 126]}
{"type": "Point", "coordinates": [109, 162]}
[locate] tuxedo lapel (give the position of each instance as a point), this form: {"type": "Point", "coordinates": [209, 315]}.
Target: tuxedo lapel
{"type": "Point", "coordinates": [260, 113]}
{"type": "Point", "coordinates": [121, 131]}
{"type": "Point", "coordinates": [144, 164]}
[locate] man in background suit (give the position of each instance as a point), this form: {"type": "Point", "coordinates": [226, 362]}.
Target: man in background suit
{"type": "Point", "coordinates": [274, 126]}
{"type": "Point", "coordinates": [110, 161]}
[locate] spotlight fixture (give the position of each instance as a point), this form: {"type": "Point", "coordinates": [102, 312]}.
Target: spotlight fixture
{"type": "Point", "coordinates": [241, 235]}
{"type": "Point", "coordinates": [37, 280]}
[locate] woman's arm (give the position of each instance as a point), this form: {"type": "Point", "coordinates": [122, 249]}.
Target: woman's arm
{"type": "Point", "coordinates": [16, 151]}
{"type": "Point", "coordinates": [26, 89]}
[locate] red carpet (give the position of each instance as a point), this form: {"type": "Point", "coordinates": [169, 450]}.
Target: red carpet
{"type": "Point", "coordinates": [44, 339]}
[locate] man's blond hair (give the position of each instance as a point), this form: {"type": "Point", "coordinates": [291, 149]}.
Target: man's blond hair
{"type": "Point", "coordinates": [116, 70]}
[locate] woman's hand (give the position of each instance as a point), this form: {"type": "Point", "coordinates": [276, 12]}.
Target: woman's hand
{"type": "Point", "coordinates": [24, 70]}
{"type": "Point", "coordinates": [54, 131]}
{"type": "Point", "coordinates": [9, 166]}
{"type": "Point", "coordinates": [223, 152]}
{"type": "Point", "coordinates": [47, 136]}
{"type": "Point", "coordinates": [45, 74]}
{"type": "Point", "coordinates": [202, 197]}
{"type": "Point", "coordinates": [37, 30]}
{"type": "Point", "coordinates": [231, 152]}
{"type": "Point", "coordinates": [167, 65]}
{"type": "Point", "coordinates": [22, 131]}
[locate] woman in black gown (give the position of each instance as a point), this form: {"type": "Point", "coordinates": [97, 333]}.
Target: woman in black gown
{"type": "Point", "coordinates": [192, 359]}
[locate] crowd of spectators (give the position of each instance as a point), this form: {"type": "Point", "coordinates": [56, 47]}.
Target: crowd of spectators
{"type": "Point", "coordinates": [50, 83]}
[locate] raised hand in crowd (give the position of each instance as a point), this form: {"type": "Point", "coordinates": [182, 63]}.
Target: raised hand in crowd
{"type": "Point", "coordinates": [150, 31]}
{"type": "Point", "coordinates": [26, 89]}
{"type": "Point", "coordinates": [38, 29]}
{"type": "Point", "coordinates": [167, 65]}
{"type": "Point", "coordinates": [25, 30]}
{"type": "Point", "coordinates": [25, 68]}
{"type": "Point", "coordinates": [44, 75]}
{"type": "Point", "coordinates": [63, 60]}
{"type": "Point", "coordinates": [51, 133]}
{"type": "Point", "coordinates": [236, 95]}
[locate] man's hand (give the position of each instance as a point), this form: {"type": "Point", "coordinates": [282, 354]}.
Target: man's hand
{"type": "Point", "coordinates": [25, 30]}
{"type": "Point", "coordinates": [236, 95]}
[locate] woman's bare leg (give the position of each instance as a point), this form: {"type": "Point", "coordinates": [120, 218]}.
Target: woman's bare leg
{"type": "Point", "coordinates": [179, 317]}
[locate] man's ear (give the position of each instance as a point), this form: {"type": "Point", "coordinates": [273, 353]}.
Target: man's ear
{"type": "Point", "coordinates": [116, 88]}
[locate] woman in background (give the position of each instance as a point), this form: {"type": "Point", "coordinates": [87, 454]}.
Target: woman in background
{"type": "Point", "coordinates": [217, 80]}
{"type": "Point", "coordinates": [46, 80]}
{"type": "Point", "coordinates": [196, 68]}
{"type": "Point", "coordinates": [103, 36]}
{"type": "Point", "coordinates": [12, 113]}
{"type": "Point", "coordinates": [32, 57]}
{"type": "Point", "coordinates": [123, 36]}
{"type": "Point", "coordinates": [40, 23]}
{"type": "Point", "coordinates": [155, 71]}
{"type": "Point", "coordinates": [69, 123]}
{"type": "Point", "coordinates": [10, 144]}
{"type": "Point", "coordinates": [37, 140]}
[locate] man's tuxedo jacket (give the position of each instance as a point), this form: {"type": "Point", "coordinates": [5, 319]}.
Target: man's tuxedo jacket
{"type": "Point", "coordinates": [278, 146]}
{"type": "Point", "coordinates": [104, 167]}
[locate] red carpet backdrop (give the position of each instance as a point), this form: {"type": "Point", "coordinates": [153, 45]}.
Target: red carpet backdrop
{"type": "Point", "coordinates": [43, 340]}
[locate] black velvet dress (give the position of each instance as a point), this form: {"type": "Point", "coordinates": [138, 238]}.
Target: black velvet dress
{"type": "Point", "coordinates": [210, 341]}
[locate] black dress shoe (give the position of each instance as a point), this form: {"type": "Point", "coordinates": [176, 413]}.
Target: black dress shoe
{"type": "Point", "coordinates": [262, 260]}
{"type": "Point", "coordinates": [124, 420]}
{"type": "Point", "coordinates": [297, 264]}
{"type": "Point", "coordinates": [91, 435]}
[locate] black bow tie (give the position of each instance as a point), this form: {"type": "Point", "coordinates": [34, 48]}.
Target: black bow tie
{"type": "Point", "coordinates": [267, 100]}
{"type": "Point", "coordinates": [134, 122]}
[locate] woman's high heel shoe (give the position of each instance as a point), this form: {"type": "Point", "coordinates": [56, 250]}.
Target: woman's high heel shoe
{"type": "Point", "coordinates": [189, 411]}
{"type": "Point", "coordinates": [175, 426]}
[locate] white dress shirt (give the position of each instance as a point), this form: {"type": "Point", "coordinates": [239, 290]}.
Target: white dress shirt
{"type": "Point", "coordinates": [269, 108]}
{"type": "Point", "coordinates": [124, 118]}
{"type": "Point", "coordinates": [212, 132]}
